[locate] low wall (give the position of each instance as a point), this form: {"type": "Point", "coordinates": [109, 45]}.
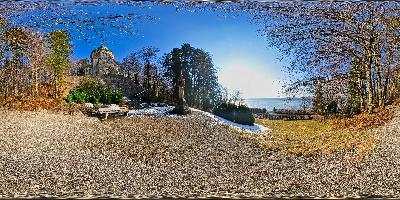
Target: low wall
{"type": "Point", "coordinates": [282, 116]}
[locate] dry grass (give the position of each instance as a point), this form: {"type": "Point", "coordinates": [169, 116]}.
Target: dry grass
{"type": "Point", "coordinates": [31, 103]}
{"type": "Point", "coordinates": [307, 137]}
{"type": "Point", "coordinates": [364, 120]}
{"type": "Point", "coordinates": [44, 101]}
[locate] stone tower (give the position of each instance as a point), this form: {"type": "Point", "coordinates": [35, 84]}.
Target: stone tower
{"type": "Point", "coordinates": [103, 62]}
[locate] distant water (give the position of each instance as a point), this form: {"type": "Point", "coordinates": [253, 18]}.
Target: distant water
{"type": "Point", "coordinates": [278, 103]}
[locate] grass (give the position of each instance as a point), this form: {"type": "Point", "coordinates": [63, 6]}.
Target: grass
{"type": "Point", "coordinates": [308, 137]}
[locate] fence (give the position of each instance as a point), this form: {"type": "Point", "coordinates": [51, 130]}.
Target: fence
{"type": "Point", "coordinates": [282, 114]}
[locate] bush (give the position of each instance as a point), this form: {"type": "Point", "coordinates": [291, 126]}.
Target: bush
{"type": "Point", "coordinates": [332, 108]}
{"type": "Point", "coordinates": [240, 114]}
{"type": "Point", "coordinates": [92, 91]}
{"type": "Point", "coordinates": [326, 107]}
{"type": "Point", "coordinates": [153, 99]}
{"type": "Point", "coordinates": [70, 97]}
{"type": "Point", "coordinates": [80, 96]}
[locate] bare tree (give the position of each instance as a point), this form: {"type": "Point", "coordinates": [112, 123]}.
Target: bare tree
{"type": "Point", "coordinates": [328, 42]}
{"type": "Point", "coordinates": [37, 56]}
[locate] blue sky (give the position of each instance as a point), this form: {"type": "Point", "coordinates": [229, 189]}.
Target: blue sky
{"type": "Point", "coordinates": [244, 60]}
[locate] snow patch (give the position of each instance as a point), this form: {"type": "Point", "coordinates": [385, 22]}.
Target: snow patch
{"type": "Point", "coordinates": [89, 105]}
{"type": "Point", "coordinates": [165, 112]}
{"type": "Point", "coordinates": [256, 128]}
{"type": "Point", "coordinates": [153, 111]}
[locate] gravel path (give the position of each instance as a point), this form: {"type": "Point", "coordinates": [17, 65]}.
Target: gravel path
{"type": "Point", "coordinates": [50, 154]}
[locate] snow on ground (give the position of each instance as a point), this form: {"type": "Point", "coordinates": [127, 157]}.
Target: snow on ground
{"type": "Point", "coordinates": [165, 111]}
{"type": "Point", "coordinates": [256, 128]}
{"type": "Point", "coordinates": [153, 111]}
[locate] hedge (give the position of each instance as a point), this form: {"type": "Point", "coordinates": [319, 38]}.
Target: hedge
{"type": "Point", "coordinates": [92, 91]}
{"type": "Point", "coordinates": [240, 114]}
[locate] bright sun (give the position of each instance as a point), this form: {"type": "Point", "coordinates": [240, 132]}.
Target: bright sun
{"type": "Point", "coordinates": [251, 82]}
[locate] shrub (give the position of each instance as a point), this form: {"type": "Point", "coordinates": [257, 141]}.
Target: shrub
{"type": "Point", "coordinates": [79, 96]}
{"type": "Point", "coordinates": [332, 108]}
{"type": "Point", "coordinates": [93, 91]}
{"type": "Point", "coordinates": [153, 99]}
{"type": "Point", "coordinates": [106, 95]}
{"type": "Point", "coordinates": [326, 107]}
{"type": "Point", "coordinates": [117, 97]}
{"type": "Point", "coordinates": [240, 114]}
{"type": "Point", "coordinates": [70, 97]}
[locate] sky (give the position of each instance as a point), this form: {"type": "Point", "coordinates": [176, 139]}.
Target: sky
{"type": "Point", "coordinates": [244, 60]}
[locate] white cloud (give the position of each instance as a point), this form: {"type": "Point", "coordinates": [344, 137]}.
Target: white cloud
{"type": "Point", "coordinates": [251, 82]}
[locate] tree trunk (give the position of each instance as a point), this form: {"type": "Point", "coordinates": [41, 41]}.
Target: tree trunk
{"type": "Point", "coordinates": [36, 82]}
{"type": "Point", "coordinates": [360, 91]}
{"type": "Point", "coordinates": [370, 94]}
{"type": "Point", "coordinates": [387, 83]}
{"type": "Point", "coordinates": [32, 91]}
{"type": "Point", "coordinates": [379, 87]}
{"type": "Point", "coordinates": [16, 86]}
{"type": "Point", "coordinates": [56, 89]}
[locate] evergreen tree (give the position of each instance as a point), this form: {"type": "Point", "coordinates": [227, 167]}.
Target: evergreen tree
{"type": "Point", "coordinates": [59, 60]}
{"type": "Point", "coordinates": [132, 66]}
{"type": "Point", "coordinates": [142, 66]}
{"type": "Point", "coordinates": [149, 57]}
{"type": "Point", "coordinates": [202, 89]}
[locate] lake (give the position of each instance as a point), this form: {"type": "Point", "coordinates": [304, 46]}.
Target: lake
{"type": "Point", "coordinates": [278, 103]}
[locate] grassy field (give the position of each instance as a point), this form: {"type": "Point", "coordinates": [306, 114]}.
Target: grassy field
{"type": "Point", "coordinates": [307, 137]}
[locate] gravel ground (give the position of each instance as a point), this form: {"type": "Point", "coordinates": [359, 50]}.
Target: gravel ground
{"type": "Point", "coordinates": [51, 154]}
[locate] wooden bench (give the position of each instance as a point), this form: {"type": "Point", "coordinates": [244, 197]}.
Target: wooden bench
{"type": "Point", "coordinates": [110, 110]}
